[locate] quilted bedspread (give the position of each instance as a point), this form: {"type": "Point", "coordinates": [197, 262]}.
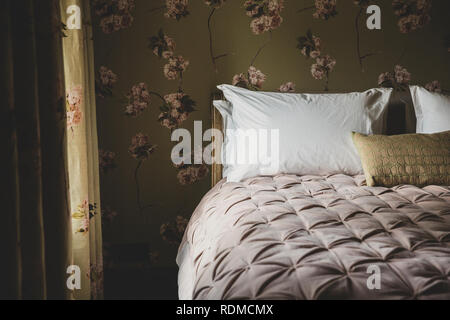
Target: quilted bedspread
{"type": "Point", "coordinates": [312, 237]}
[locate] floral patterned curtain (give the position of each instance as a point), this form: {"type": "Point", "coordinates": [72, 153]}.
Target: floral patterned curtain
{"type": "Point", "coordinates": [82, 147]}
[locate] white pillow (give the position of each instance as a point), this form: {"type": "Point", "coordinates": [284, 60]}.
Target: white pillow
{"type": "Point", "coordinates": [314, 131]}
{"type": "Point", "coordinates": [226, 109]}
{"type": "Point", "coordinates": [432, 110]}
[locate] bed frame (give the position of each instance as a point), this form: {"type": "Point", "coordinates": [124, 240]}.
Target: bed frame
{"type": "Point", "coordinates": [217, 123]}
{"type": "Point", "coordinates": [400, 120]}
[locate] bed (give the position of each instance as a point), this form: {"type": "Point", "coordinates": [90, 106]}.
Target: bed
{"type": "Point", "coordinates": [316, 237]}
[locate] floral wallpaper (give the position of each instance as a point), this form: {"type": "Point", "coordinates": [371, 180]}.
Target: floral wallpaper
{"type": "Point", "coordinates": [159, 61]}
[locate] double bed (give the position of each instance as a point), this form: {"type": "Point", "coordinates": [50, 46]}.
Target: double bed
{"type": "Point", "coordinates": [316, 237]}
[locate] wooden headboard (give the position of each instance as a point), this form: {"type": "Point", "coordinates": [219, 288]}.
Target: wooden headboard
{"type": "Point", "coordinates": [400, 119]}
{"type": "Point", "coordinates": [217, 123]}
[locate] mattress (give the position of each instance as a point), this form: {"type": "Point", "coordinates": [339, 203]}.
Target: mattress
{"type": "Point", "coordinates": [316, 237]}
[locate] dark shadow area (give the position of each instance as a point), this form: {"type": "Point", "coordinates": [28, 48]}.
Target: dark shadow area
{"type": "Point", "coordinates": [129, 274]}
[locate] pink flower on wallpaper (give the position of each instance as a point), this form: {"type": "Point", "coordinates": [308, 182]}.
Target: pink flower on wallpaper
{"type": "Point", "coordinates": [176, 9]}
{"type": "Point", "coordinates": [323, 66]}
{"type": "Point", "coordinates": [240, 80]}
{"type": "Point", "coordinates": [172, 232]}
{"type": "Point", "coordinates": [314, 54]}
{"type": "Point", "coordinates": [162, 45]}
{"type": "Point", "coordinates": [138, 100]}
{"type": "Point", "coordinates": [170, 43]}
{"type": "Point", "coordinates": [106, 160]}
{"type": "Point", "coordinates": [187, 176]}
{"type": "Point", "coordinates": [115, 14]}
{"type": "Point", "coordinates": [101, 7]}
{"type": "Point", "coordinates": [256, 77]}
{"type": "Point", "coordinates": [140, 147]}
{"type": "Point", "coordinates": [175, 67]}
{"type": "Point", "coordinates": [310, 46]}
{"type": "Point", "coordinates": [317, 43]}
{"type": "Point", "coordinates": [190, 174]}
{"type": "Point", "coordinates": [258, 25]}
{"type": "Point", "coordinates": [215, 3]}
{"type": "Point", "coordinates": [287, 87]}
{"type": "Point", "coordinates": [265, 13]}
{"type": "Point", "coordinates": [176, 110]}
{"type": "Point", "coordinates": [318, 72]}
{"type": "Point", "coordinates": [105, 82]}
{"type": "Point", "coordinates": [414, 14]}
{"type": "Point", "coordinates": [402, 76]}
{"type": "Point", "coordinates": [107, 77]}
{"type": "Point", "coordinates": [398, 79]}
{"type": "Point", "coordinates": [385, 77]}
{"type": "Point", "coordinates": [74, 99]}
{"type": "Point", "coordinates": [325, 9]}
{"type": "Point", "coordinates": [326, 62]}
{"type": "Point", "coordinates": [434, 86]}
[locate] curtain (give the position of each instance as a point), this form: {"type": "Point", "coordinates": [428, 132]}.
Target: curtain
{"type": "Point", "coordinates": [49, 187]}
{"type": "Point", "coordinates": [35, 238]}
{"type": "Point", "coordinates": [82, 147]}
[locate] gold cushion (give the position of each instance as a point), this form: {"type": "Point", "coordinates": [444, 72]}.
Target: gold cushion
{"type": "Point", "coordinates": [415, 159]}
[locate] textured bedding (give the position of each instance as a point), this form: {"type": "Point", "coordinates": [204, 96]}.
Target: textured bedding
{"type": "Point", "coordinates": [313, 237]}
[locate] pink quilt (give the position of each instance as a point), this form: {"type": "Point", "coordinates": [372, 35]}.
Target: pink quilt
{"type": "Point", "coordinates": [312, 237]}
